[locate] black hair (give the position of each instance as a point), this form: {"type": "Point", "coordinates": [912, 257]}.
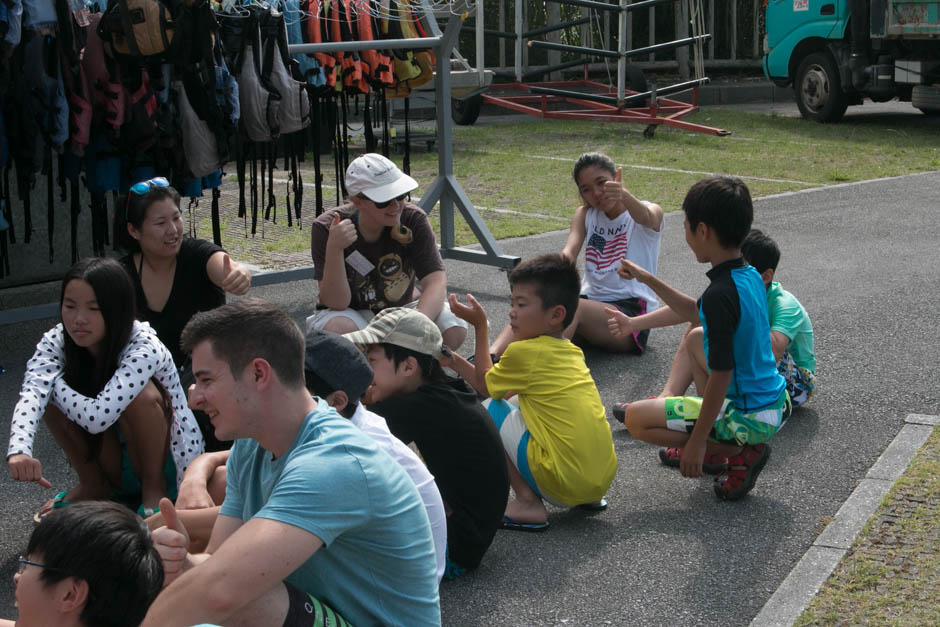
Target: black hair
{"type": "Point", "coordinates": [132, 209]}
{"type": "Point", "coordinates": [248, 329]}
{"type": "Point", "coordinates": [593, 159]}
{"type": "Point", "coordinates": [430, 367]}
{"type": "Point", "coordinates": [556, 282]}
{"type": "Point", "coordinates": [318, 387]}
{"type": "Point", "coordinates": [110, 548]}
{"type": "Point", "coordinates": [114, 292]}
{"type": "Point", "coordinates": [760, 250]}
{"type": "Point", "coordinates": [724, 204]}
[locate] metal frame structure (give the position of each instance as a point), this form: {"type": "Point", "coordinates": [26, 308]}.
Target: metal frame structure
{"type": "Point", "coordinates": [445, 189]}
{"type": "Point", "coordinates": [596, 101]}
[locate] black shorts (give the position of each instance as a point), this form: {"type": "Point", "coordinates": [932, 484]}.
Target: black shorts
{"type": "Point", "coordinates": [632, 307]}
{"type": "Point", "coordinates": [305, 611]}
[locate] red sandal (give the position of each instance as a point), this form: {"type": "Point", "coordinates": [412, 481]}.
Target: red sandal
{"type": "Point", "coordinates": [742, 472]}
{"type": "Point", "coordinates": [712, 464]}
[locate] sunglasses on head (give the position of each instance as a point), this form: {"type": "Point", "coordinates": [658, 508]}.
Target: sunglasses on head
{"type": "Point", "coordinates": [383, 205]}
{"type": "Point", "coordinates": [143, 188]}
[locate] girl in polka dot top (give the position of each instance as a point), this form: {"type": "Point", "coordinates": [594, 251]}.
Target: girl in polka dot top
{"type": "Point", "coordinates": [109, 393]}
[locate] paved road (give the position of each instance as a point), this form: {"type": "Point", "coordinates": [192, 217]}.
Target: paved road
{"type": "Point", "coordinates": [862, 258]}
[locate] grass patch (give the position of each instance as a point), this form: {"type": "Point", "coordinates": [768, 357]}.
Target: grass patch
{"type": "Point", "coordinates": [525, 167]}
{"type": "Point", "coordinates": [891, 575]}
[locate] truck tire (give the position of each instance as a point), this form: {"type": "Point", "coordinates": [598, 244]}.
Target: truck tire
{"type": "Point", "coordinates": [926, 98]}
{"type": "Point", "coordinates": [466, 112]}
{"type": "Point", "coordinates": [818, 89]}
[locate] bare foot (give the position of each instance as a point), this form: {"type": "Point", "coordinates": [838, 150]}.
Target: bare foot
{"type": "Point", "coordinates": [526, 512]}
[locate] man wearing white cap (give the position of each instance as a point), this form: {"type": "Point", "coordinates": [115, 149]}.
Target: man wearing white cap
{"type": "Point", "coordinates": [378, 251]}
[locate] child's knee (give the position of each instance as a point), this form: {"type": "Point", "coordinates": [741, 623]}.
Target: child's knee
{"type": "Point", "coordinates": [150, 401]}
{"type": "Point", "coordinates": [645, 414]}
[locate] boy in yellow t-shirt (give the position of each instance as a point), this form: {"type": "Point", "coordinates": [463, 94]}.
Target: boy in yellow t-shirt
{"type": "Point", "coordinates": [555, 432]}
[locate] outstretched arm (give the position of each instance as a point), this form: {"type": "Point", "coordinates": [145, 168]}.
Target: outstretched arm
{"type": "Point", "coordinates": [683, 305]}
{"type": "Point", "coordinates": [649, 215]}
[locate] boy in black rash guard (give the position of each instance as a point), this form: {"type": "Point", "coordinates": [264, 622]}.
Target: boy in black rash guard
{"type": "Point", "coordinates": [443, 417]}
{"type": "Point", "coordinates": [744, 399]}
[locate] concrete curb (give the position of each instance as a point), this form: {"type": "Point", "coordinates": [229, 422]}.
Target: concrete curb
{"type": "Point", "coordinates": [798, 589]}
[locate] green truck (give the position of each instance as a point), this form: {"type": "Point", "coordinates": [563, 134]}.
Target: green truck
{"type": "Point", "coordinates": [837, 52]}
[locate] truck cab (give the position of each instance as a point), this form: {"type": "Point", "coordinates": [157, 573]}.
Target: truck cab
{"type": "Point", "coordinates": [835, 53]}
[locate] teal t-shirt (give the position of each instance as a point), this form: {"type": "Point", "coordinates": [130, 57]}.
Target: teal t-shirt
{"type": "Point", "coordinates": [377, 565]}
{"type": "Point", "coordinates": [787, 316]}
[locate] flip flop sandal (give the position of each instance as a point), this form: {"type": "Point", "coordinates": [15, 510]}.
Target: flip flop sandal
{"type": "Point", "coordinates": [597, 506]}
{"type": "Point", "coordinates": [57, 502]}
{"type": "Point", "coordinates": [512, 525]}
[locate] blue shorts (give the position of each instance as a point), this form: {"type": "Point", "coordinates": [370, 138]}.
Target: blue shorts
{"type": "Point", "coordinates": [515, 436]}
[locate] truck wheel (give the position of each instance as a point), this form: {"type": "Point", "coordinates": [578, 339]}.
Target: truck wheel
{"type": "Point", "coordinates": [466, 112]}
{"type": "Point", "coordinates": [926, 98]}
{"type": "Point", "coordinates": [819, 89]}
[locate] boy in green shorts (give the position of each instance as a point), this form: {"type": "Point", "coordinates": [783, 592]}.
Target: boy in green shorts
{"type": "Point", "coordinates": [555, 432]}
{"type": "Point", "coordinates": [744, 400]}
{"type": "Point", "coordinates": [791, 340]}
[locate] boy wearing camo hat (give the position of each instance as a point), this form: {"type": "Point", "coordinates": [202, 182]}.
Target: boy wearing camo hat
{"type": "Point", "coordinates": [443, 417]}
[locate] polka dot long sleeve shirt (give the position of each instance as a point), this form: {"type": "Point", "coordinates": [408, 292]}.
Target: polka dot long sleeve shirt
{"type": "Point", "coordinates": [143, 358]}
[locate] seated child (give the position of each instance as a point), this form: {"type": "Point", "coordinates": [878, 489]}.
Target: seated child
{"type": "Point", "coordinates": [744, 400]}
{"type": "Point", "coordinates": [557, 439]}
{"type": "Point", "coordinates": [610, 223]}
{"type": "Point", "coordinates": [92, 563]}
{"type": "Point", "coordinates": [442, 416]}
{"type": "Point", "coordinates": [336, 371]}
{"type": "Point", "coordinates": [791, 331]}
{"type": "Point", "coordinates": [791, 337]}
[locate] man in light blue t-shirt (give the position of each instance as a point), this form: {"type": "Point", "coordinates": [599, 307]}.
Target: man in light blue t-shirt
{"type": "Point", "coordinates": [317, 520]}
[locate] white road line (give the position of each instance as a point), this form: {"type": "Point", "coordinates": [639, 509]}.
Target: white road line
{"type": "Point", "coordinates": [661, 169]}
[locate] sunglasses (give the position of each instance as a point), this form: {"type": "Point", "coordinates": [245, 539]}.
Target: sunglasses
{"type": "Point", "coordinates": [143, 188]}
{"type": "Point", "coordinates": [383, 205]}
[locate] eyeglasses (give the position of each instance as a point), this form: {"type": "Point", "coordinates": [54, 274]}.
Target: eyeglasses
{"type": "Point", "coordinates": [383, 205]}
{"type": "Point", "coordinates": [25, 562]}
{"type": "Point", "coordinates": [142, 189]}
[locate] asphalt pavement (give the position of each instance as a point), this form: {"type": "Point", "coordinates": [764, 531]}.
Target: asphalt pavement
{"type": "Point", "coordinates": [861, 257]}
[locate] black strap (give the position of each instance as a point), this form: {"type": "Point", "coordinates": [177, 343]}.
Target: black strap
{"type": "Point", "coordinates": [406, 161]}
{"type": "Point", "coordinates": [262, 148]}
{"type": "Point", "coordinates": [128, 26]}
{"type": "Point", "coordinates": [367, 125]}
{"type": "Point", "coordinates": [317, 175]}
{"type": "Point", "coordinates": [272, 201]}
{"type": "Point", "coordinates": [254, 188]}
{"type": "Point", "coordinates": [240, 172]}
{"type": "Point", "coordinates": [7, 202]}
{"type": "Point", "coordinates": [50, 203]}
{"type": "Point", "coordinates": [337, 156]}
{"type": "Point", "coordinates": [216, 226]}
{"type": "Point", "coordinates": [298, 184]}
{"type": "Point", "coordinates": [76, 209]}
{"type": "Point", "coordinates": [385, 133]}
{"type": "Point", "coordinates": [290, 181]}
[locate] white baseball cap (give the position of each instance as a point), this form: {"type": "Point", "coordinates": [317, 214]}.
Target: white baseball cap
{"type": "Point", "coordinates": [377, 178]}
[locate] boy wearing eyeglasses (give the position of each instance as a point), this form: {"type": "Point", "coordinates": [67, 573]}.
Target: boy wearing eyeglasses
{"type": "Point", "coordinates": [92, 563]}
{"type": "Point", "coordinates": [378, 251]}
